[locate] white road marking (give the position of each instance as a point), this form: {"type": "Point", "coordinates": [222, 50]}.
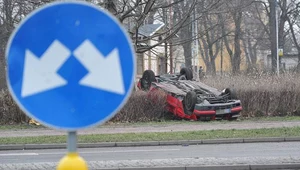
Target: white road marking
{"type": "Point", "coordinates": [19, 154]}
{"type": "Point", "coordinates": [128, 151]}
{"type": "Point", "coordinates": [121, 151]}
{"type": "Point", "coordinates": [86, 152]}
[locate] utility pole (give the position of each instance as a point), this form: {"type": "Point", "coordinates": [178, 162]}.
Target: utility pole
{"type": "Point", "coordinates": [222, 57]}
{"type": "Point", "coordinates": [171, 49]}
{"type": "Point", "coordinates": [276, 21]}
{"type": "Point", "coordinates": [193, 34]}
{"type": "Point", "coordinates": [195, 41]}
{"type": "Point", "coordinates": [274, 35]}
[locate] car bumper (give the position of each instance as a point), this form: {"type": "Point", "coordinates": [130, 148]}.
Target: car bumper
{"type": "Point", "coordinates": [205, 108]}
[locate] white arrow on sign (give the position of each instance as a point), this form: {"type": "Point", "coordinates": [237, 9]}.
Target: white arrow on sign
{"type": "Point", "coordinates": [104, 72]}
{"type": "Point", "coordinates": [40, 73]}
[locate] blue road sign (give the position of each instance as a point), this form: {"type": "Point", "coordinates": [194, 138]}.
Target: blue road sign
{"type": "Point", "coordinates": [71, 65]}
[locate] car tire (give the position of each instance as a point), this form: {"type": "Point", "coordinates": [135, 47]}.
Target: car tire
{"type": "Point", "coordinates": [231, 92]}
{"type": "Point", "coordinates": [190, 101]}
{"type": "Point", "coordinates": [182, 77]}
{"type": "Point", "coordinates": [147, 78]}
{"type": "Point", "coordinates": [187, 72]}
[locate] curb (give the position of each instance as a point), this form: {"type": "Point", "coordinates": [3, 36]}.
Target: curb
{"type": "Point", "coordinates": [148, 143]}
{"type": "Point", "coordinates": [218, 167]}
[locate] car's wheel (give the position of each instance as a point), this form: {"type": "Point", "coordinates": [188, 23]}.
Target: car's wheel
{"type": "Point", "coordinates": [182, 77]}
{"type": "Point", "coordinates": [190, 101]}
{"type": "Point", "coordinates": [231, 92]}
{"type": "Point", "coordinates": [187, 72]}
{"type": "Point", "coordinates": [147, 78]}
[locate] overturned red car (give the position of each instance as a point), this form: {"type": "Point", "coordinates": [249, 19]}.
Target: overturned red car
{"type": "Point", "coordinates": [190, 99]}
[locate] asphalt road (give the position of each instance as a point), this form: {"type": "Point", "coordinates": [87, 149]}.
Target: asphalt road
{"type": "Point", "coordinates": [222, 154]}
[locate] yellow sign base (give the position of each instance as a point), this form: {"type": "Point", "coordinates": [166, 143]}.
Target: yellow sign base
{"type": "Point", "coordinates": [72, 161]}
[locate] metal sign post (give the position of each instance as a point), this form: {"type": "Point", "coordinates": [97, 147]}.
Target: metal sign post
{"type": "Point", "coordinates": [276, 32]}
{"type": "Point", "coordinates": [71, 65]}
{"type": "Point", "coordinates": [72, 160]}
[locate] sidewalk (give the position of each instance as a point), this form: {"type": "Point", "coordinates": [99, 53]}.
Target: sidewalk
{"type": "Point", "coordinates": [109, 129]}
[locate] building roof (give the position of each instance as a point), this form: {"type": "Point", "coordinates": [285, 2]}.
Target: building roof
{"type": "Point", "coordinates": [149, 29]}
{"type": "Point", "coordinates": [146, 30]}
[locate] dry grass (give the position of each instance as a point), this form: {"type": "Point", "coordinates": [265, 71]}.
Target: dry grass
{"type": "Point", "coordinates": [264, 95]}
{"type": "Point", "coordinates": [261, 95]}
{"type": "Point", "coordinates": [10, 113]}
{"type": "Point", "coordinates": [258, 82]}
{"type": "Point", "coordinates": [142, 107]}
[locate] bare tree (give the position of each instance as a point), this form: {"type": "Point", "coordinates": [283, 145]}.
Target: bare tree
{"type": "Point", "coordinates": [269, 7]}
{"type": "Point", "coordinates": [241, 25]}
{"type": "Point", "coordinates": [140, 11]}
{"type": "Point", "coordinates": [236, 8]}
{"type": "Point", "coordinates": [185, 32]}
{"type": "Point", "coordinates": [254, 34]}
{"type": "Point", "coordinates": [209, 42]}
{"type": "Point", "coordinates": [293, 20]}
{"type": "Point", "coordinates": [11, 13]}
{"type": "Point", "coordinates": [203, 8]}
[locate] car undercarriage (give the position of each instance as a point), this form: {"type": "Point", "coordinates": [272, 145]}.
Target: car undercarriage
{"type": "Point", "coordinates": [190, 99]}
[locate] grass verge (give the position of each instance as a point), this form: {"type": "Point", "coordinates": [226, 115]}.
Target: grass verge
{"type": "Point", "coordinates": [164, 123]}
{"type": "Point", "coordinates": [161, 136]}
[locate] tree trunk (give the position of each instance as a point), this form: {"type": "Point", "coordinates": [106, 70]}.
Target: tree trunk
{"type": "Point", "coordinates": [185, 34]}
{"type": "Point", "coordinates": [273, 35]}
{"type": "Point", "coordinates": [251, 52]}
{"type": "Point", "coordinates": [2, 71]}
{"type": "Point", "coordinates": [210, 41]}
{"type": "Point", "coordinates": [237, 47]}
{"type": "Point", "coordinates": [212, 61]}
{"type": "Point", "coordinates": [246, 50]}
{"type": "Point", "coordinates": [298, 64]}
{"type": "Point", "coordinates": [213, 67]}
{"type": "Point", "coordinates": [210, 35]}
{"type": "Point", "coordinates": [187, 52]}
{"type": "Point", "coordinates": [226, 41]}
{"type": "Point", "coordinates": [204, 54]}
{"type": "Point", "coordinates": [110, 6]}
{"type": "Point", "coordinates": [281, 31]}
{"type": "Point", "coordinates": [295, 42]}
{"type": "Point", "coordinates": [282, 21]}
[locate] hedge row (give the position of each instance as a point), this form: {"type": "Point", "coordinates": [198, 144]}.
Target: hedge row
{"type": "Point", "coordinates": [260, 96]}
{"type": "Point", "coordinates": [264, 95]}
{"type": "Point", "coordinates": [139, 108]}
